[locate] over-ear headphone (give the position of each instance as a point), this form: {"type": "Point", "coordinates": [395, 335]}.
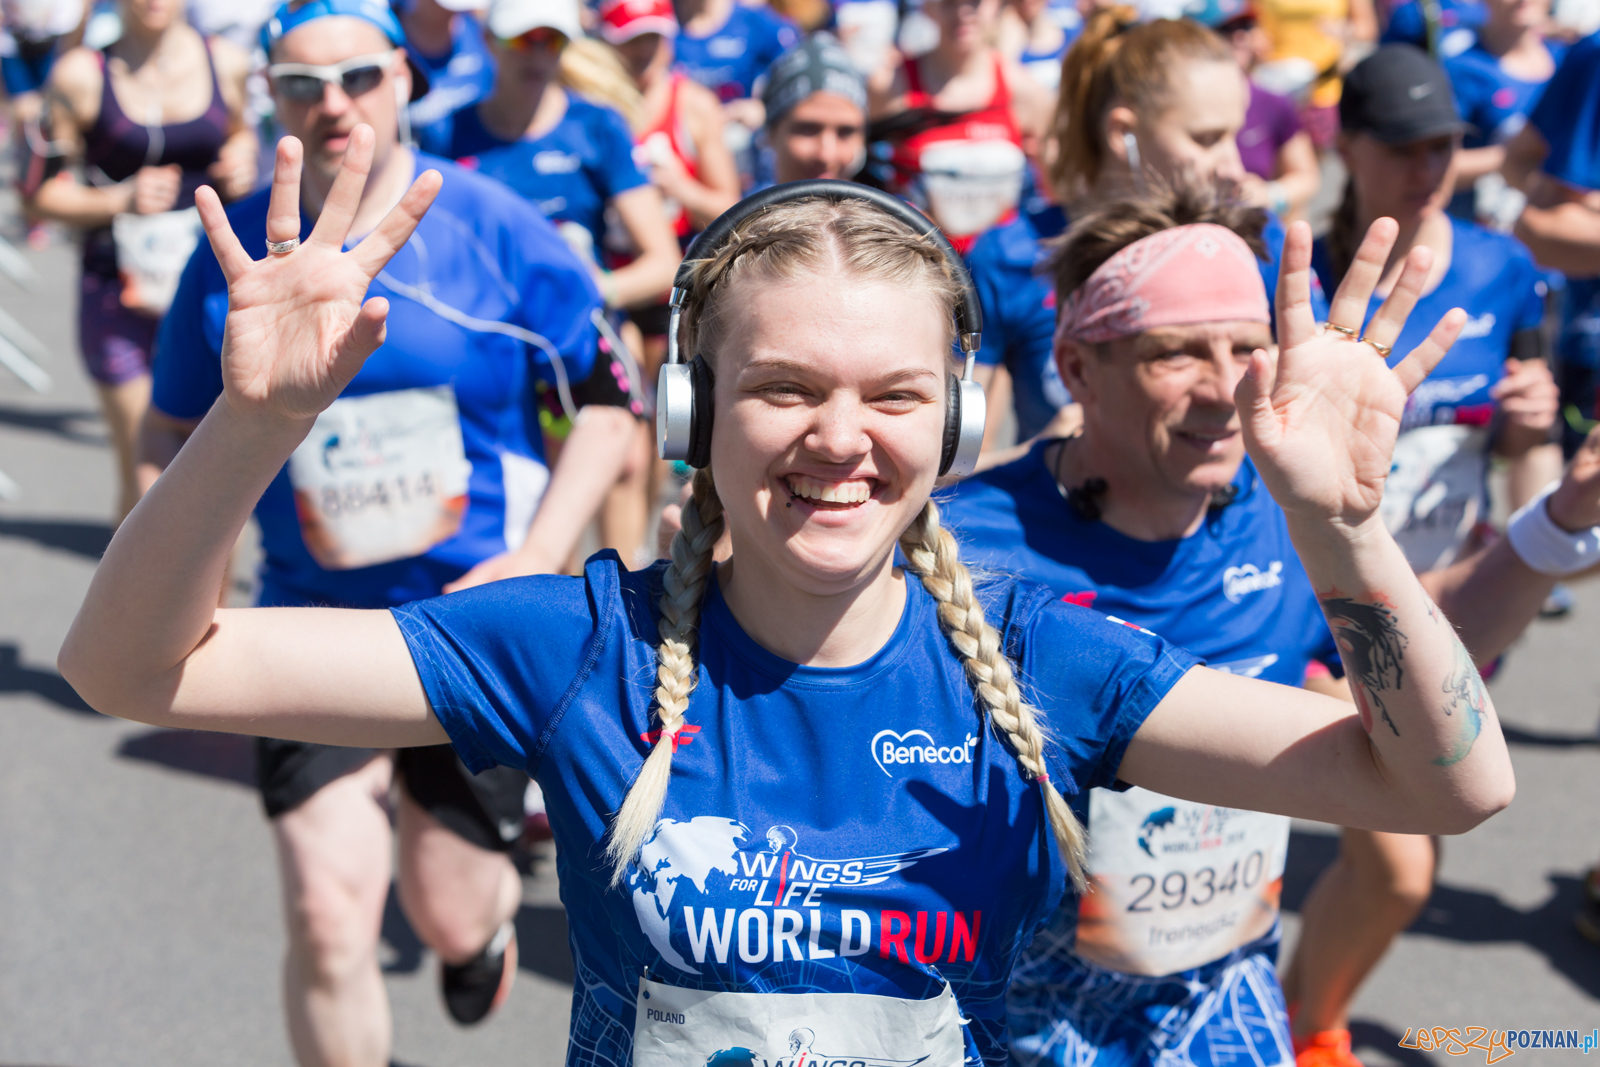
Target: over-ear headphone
{"type": "Point", "coordinates": [683, 391]}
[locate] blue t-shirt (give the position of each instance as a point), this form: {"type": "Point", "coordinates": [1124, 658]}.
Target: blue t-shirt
{"type": "Point", "coordinates": [571, 173]}
{"type": "Point", "coordinates": [1494, 102]}
{"type": "Point", "coordinates": [821, 777]}
{"type": "Point", "coordinates": [459, 78]}
{"type": "Point", "coordinates": [1235, 593]}
{"type": "Point", "coordinates": [1458, 26]}
{"type": "Point", "coordinates": [1495, 279]}
{"type": "Point", "coordinates": [729, 60]}
{"type": "Point", "coordinates": [482, 252]}
{"type": "Point", "coordinates": [1019, 320]}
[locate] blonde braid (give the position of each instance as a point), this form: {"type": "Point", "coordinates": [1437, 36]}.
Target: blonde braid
{"type": "Point", "coordinates": [684, 583]}
{"type": "Point", "coordinates": [932, 553]}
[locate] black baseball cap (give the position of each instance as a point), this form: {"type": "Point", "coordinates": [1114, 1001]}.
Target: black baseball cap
{"type": "Point", "coordinates": [1399, 95]}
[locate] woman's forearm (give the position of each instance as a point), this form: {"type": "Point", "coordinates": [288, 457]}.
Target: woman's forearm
{"type": "Point", "coordinates": [153, 599]}
{"type": "Point", "coordinates": [593, 459]}
{"type": "Point", "coordinates": [1474, 163]}
{"type": "Point", "coordinates": [1425, 710]}
{"type": "Point", "coordinates": [63, 200]}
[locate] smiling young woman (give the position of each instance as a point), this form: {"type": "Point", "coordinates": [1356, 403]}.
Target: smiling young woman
{"type": "Point", "coordinates": [731, 716]}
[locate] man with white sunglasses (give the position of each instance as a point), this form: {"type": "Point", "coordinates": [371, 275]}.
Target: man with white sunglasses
{"type": "Point", "coordinates": [427, 475]}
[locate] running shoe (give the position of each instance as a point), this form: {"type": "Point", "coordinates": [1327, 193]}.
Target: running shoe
{"type": "Point", "coordinates": [1588, 918]}
{"type": "Point", "coordinates": [1558, 604]}
{"type": "Point", "coordinates": [474, 989]}
{"type": "Point", "coordinates": [1327, 1048]}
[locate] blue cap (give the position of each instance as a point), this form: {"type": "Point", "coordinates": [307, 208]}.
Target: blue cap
{"type": "Point", "coordinates": [291, 16]}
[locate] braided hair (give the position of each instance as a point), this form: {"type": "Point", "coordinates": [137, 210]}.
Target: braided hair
{"type": "Point", "coordinates": [849, 238]}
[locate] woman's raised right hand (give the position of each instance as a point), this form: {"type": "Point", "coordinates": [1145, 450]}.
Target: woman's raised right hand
{"type": "Point", "coordinates": [297, 330]}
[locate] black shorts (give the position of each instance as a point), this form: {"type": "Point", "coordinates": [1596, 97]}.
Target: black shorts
{"type": "Point", "coordinates": [485, 809]}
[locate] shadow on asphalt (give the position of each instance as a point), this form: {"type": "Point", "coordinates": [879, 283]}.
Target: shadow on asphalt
{"type": "Point", "coordinates": [1536, 739]}
{"type": "Point", "coordinates": [86, 539]}
{"type": "Point", "coordinates": [1471, 916]}
{"type": "Point", "coordinates": [228, 757]}
{"type": "Point", "coordinates": [16, 677]}
{"type": "Point", "coordinates": [541, 940]}
{"type": "Point", "coordinates": [60, 422]}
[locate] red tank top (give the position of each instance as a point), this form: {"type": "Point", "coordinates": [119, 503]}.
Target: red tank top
{"type": "Point", "coordinates": [992, 122]}
{"type": "Point", "coordinates": [671, 134]}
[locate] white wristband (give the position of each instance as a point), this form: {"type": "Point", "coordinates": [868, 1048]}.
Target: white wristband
{"type": "Point", "coordinates": [1546, 547]}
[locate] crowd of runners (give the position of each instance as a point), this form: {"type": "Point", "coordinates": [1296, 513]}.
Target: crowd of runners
{"type": "Point", "coordinates": [450, 294]}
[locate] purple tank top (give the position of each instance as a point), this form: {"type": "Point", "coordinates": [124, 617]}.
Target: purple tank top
{"type": "Point", "coordinates": [117, 146]}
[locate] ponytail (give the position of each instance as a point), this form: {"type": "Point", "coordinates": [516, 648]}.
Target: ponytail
{"type": "Point", "coordinates": [592, 68]}
{"type": "Point", "coordinates": [1117, 60]}
{"type": "Point", "coordinates": [1343, 240]}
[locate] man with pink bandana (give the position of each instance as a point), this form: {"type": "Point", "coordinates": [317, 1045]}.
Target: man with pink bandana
{"type": "Point", "coordinates": [1154, 515]}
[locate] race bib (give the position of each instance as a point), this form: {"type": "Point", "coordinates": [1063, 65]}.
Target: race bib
{"type": "Point", "coordinates": [687, 1028]}
{"type": "Point", "coordinates": [152, 251]}
{"type": "Point", "coordinates": [381, 477]}
{"type": "Point", "coordinates": [1176, 884]}
{"type": "Point", "coordinates": [1434, 495]}
{"type": "Point", "coordinates": [971, 185]}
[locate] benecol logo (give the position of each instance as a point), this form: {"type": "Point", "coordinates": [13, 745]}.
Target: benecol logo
{"type": "Point", "coordinates": [890, 749]}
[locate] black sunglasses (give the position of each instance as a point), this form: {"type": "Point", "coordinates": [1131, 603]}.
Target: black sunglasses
{"type": "Point", "coordinates": [305, 84]}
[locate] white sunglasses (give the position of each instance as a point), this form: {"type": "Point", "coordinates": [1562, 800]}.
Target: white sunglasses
{"type": "Point", "coordinates": [305, 84]}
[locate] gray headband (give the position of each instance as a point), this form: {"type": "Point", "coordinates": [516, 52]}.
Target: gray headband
{"type": "Point", "coordinates": [819, 65]}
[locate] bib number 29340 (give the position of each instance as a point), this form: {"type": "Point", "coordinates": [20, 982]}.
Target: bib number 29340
{"type": "Point", "coordinates": [381, 477]}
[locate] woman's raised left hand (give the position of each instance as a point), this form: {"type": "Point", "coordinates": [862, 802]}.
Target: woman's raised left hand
{"type": "Point", "coordinates": [1320, 416]}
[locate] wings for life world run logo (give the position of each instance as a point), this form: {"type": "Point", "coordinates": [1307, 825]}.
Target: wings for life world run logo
{"type": "Point", "coordinates": [1169, 831]}
{"type": "Point", "coordinates": [801, 1054]}
{"type": "Point", "coordinates": [711, 890]}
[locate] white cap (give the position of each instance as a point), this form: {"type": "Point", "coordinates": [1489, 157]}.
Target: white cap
{"type": "Point", "coordinates": [513, 18]}
{"type": "Point", "coordinates": [462, 5]}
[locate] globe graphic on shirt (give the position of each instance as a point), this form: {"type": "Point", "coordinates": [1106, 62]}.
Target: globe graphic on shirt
{"type": "Point", "coordinates": [678, 853]}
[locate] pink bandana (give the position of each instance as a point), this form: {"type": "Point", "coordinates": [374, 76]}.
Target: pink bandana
{"type": "Point", "coordinates": [1178, 277]}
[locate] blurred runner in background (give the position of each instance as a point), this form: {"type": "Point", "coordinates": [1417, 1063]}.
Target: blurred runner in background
{"type": "Point", "coordinates": [148, 119]}
{"type": "Point", "coordinates": [445, 39]}
{"type": "Point", "coordinates": [427, 474]}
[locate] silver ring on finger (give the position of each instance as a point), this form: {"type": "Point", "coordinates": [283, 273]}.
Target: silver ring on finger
{"type": "Point", "coordinates": [1382, 350]}
{"type": "Point", "coordinates": [283, 248]}
{"type": "Point", "coordinates": [1347, 331]}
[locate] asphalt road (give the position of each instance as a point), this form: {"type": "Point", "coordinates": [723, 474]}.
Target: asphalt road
{"type": "Point", "coordinates": [139, 918]}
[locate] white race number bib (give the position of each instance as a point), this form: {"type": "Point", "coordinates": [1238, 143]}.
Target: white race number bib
{"type": "Point", "coordinates": [381, 477]}
{"type": "Point", "coordinates": [1176, 884]}
{"type": "Point", "coordinates": [1434, 495]}
{"type": "Point", "coordinates": [687, 1028]}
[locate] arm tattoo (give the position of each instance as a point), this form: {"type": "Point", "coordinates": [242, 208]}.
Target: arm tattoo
{"type": "Point", "coordinates": [1371, 645]}
{"type": "Point", "coordinates": [1465, 688]}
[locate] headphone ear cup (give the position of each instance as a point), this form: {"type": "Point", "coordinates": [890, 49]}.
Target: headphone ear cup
{"type": "Point", "coordinates": [952, 423]}
{"type": "Point", "coordinates": [702, 386]}
{"type": "Point", "coordinates": [674, 411]}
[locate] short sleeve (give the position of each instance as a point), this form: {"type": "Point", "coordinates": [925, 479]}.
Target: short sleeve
{"type": "Point", "coordinates": [187, 373]}
{"type": "Point", "coordinates": [1568, 117]}
{"type": "Point", "coordinates": [1096, 679]}
{"type": "Point", "coordinates": [618, 171]}
{"type": "Point", "coordinates": [559, 295]}
{"type": "Point", "coordinates": [1285, 123]}
{"type": "Point", "coordinates": [500, 662]}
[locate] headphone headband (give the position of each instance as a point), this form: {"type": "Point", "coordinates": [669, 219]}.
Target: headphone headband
{"type": "Point", "coordinates": [969, 311]}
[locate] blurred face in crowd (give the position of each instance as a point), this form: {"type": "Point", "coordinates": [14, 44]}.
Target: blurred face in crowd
{"type": "Point", "coordinates": [1249, 43]}
{"type": "Point", "coordinates": [324, 125]}
{"type": "Point", "coordinates": [1164, 399]}
{"type": "Point", "coordinates": [1191, 138]}
{"type": "Point", "coordinates": [966, 24]}
{"type": "Point", "coordinates": [529, 63]}
{"type": "Point", "coordinates": [1404, 181]}
{"type": "Point", "coordinates": [153, 15]}
{"type": "Point", "coordinates": [1522, 14]}
{"type": "Point", "coordinates": [640, 53]}
{"type": "Point", "coordinates": [823, 137]}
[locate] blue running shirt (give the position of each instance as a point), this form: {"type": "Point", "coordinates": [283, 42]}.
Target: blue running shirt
{"type": "Point", "coordinates": [1089, 990]}
{"type": "Point", "coordinates": [459, 78]}
{"type": "Point", "coordinates": [1568, 117]}
{"type": "Point", "coordinates": [479, 250]}
{"type": "Point", "coordinates": [571, 173]}
{"type": "Point", "coordinates": [1458, 26]}
{"type": "Point", "coordinates": [730, 59]}
{"type": "Point", "coordinates": [1019, 320]}
{"type": "Point", "coordinates": [1494, 102]}
{"type": "Point", "coordinates": [1437, 488]}
{"type": "Point", "coordinates": [826, 830]}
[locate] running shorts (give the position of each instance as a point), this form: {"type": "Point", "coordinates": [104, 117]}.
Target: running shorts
{"type": "Point", "coordinates": [485, 809]}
